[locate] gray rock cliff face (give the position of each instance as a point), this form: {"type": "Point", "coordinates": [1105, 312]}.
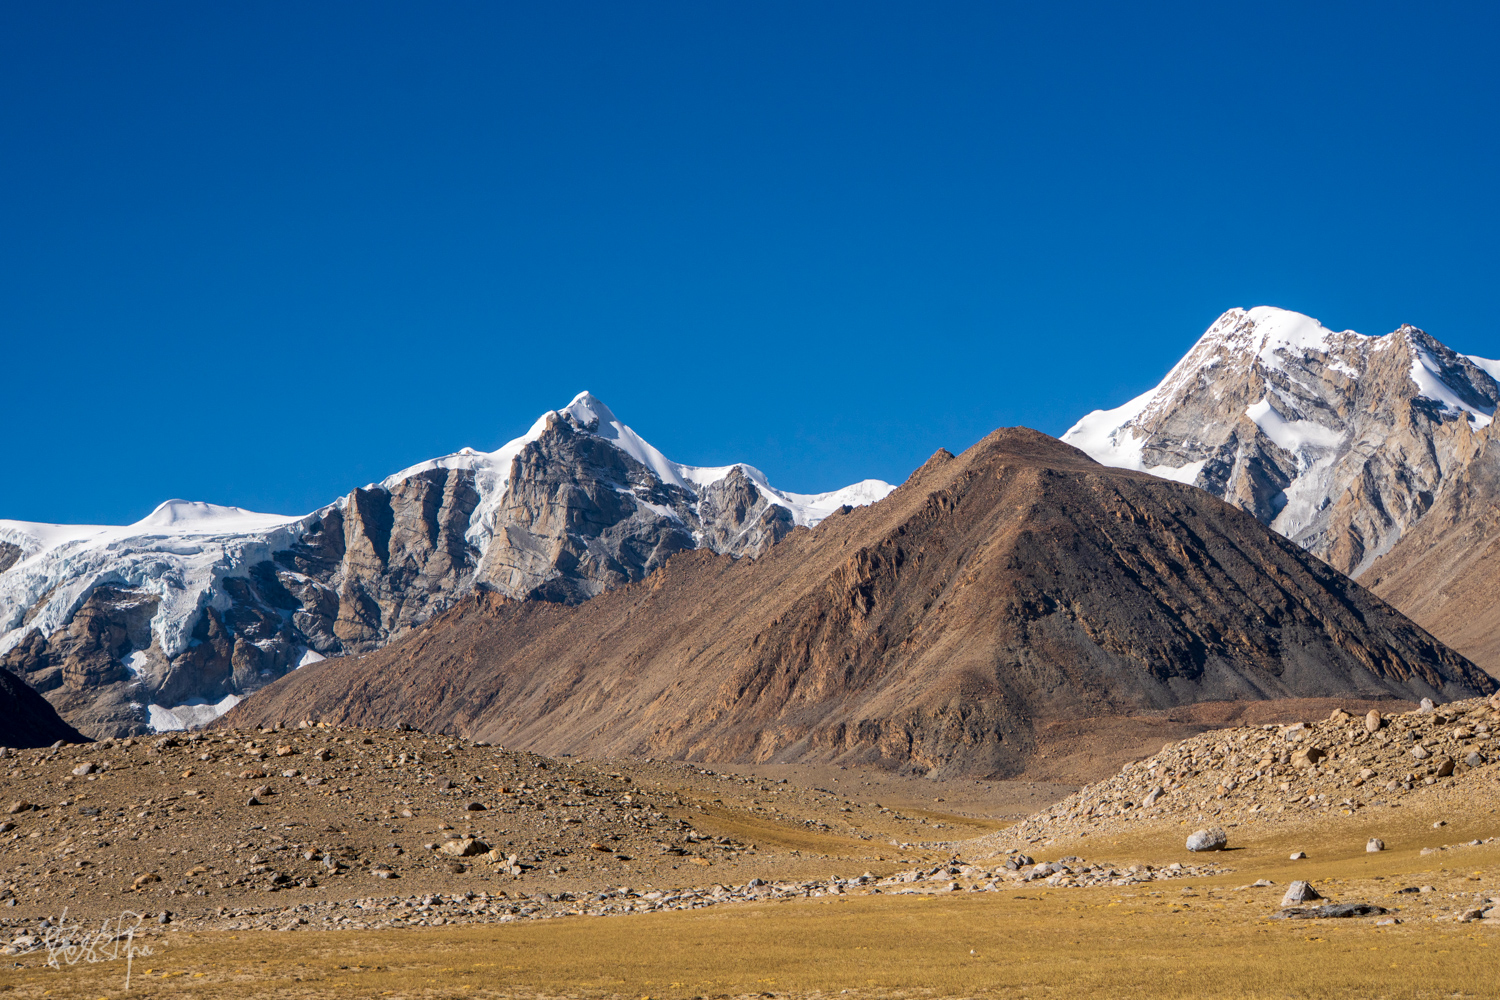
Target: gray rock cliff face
{"type": "Point", "coordinates": [131, 635]}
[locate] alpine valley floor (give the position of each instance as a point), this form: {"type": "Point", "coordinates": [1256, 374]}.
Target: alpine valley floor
{"type": "Point", "coordinates": [653, 891]}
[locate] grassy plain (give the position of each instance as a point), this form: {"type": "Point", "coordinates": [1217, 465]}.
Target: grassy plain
{"type": "Point", "coordinates": [1212, 938]}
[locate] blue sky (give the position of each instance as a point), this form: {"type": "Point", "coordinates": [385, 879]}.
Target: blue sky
{"type": "Point", "coordinates": [259, 254]}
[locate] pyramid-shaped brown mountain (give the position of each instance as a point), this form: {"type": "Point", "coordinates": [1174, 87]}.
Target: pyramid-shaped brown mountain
{"type": "Point", "coordinates": [1015, 585]}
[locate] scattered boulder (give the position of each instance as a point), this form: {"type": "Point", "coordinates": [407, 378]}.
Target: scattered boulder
{"type": "Point", "coordinates": [1300, 892]}
{"type": "Point", "coordinates": [1444, 767]}
{"type": "Point", "coordinates": [1375, 845]}
{"type": "Point", "coordinates": [1298, 856]}
{"type": "Point", "coordinates": [1208, 840]}
{"type": "Point", "coordinates": [1373, 721]}
{"type": "Point", "coordinates": [141, 881]}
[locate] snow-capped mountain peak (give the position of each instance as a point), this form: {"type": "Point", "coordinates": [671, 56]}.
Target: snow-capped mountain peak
{"type": "Point", "coordinates": [197, 603]}
{"type": "Point", "coordinates": [1298, 423]}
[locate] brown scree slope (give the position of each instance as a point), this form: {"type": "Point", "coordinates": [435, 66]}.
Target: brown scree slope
{"type": "Point", "coordinates": [1015, 585]}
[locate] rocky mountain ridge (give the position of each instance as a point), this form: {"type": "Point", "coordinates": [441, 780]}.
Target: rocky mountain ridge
{"type": "Point", "coordinates": [935, 633]}
{"type": "Point", "coordinates": [171, 620]}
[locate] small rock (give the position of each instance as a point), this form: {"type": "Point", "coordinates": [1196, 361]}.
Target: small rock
{"type": "Point", "coordinates": [1300, 892]}
{"type": "Point", "coordinates": [1475, 759]}
{"type": "Point", "coordinates": [1152, 796]}
{"type": "Point", "coordinates": [144, 880]}
{"type": "Point", "coordinates": [1375, 845]}
{"type": "Point", "coordinates": [475, 807]}
{"type": "Point", "coordinates": [1420, 752]}
{"type": "Point", "coordinates": [1208, 840]}
{"type": "Point", "coordinates": [1426, 706]}
{"type": "Point", "coordinates": [1338, 716]}
{"type": "Point", "coordinates": [284, 751]}
{"type": "Point", "coordinates": [83, 769]}
{"type": "Point", "coordinates": [19, 807]}
{"type": "Point", "coordinates": [1445, 767]}
{"type": "Point", "coordinates": [1299, 856]}
{"type": "Point", "coordinates": [252, 801]}
{"type": "Point", "coordinates": [262, 791]}
{"type": "Point", "coordinates": [1373, 721]}
{"type": "Point", "coordinates": [1440, 823]}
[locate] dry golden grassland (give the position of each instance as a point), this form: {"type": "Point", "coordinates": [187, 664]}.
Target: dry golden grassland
{"type": "Point", "coordinates": [1165, 939]}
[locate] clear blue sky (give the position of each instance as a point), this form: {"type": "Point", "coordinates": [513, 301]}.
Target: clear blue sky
{"type": "Point", "coordinates": [258, 254]}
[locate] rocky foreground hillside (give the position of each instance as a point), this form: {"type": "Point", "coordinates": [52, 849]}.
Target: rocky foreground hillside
{"type": "Point", "coordinates": [1271, 775]}
{"type": "Point", "coordinates": [935, 632]}
{"type": "Point", "coordinates": [170, 620]}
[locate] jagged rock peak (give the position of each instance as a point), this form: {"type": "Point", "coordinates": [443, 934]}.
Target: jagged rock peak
{"type": "Point", "coordinates": [126, 627]}
{"type": "Point", "coordinates": [1335, 439]}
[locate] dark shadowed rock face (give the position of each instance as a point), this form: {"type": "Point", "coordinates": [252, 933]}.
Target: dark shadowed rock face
{"type": "Point", "coordinates": [572, 515]}
{"type": "Point", "coordinates": [938, 631]}
{"type": "Point", "coordinates": [28, 720]}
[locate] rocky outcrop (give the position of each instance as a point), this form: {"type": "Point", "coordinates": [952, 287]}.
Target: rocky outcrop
{"type": "Point", "coordinates": [940, 631]}
{"type": "Point", "coordinates": [174, 618]}
{"type": "Point", "coordinates": [1339, 441]}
